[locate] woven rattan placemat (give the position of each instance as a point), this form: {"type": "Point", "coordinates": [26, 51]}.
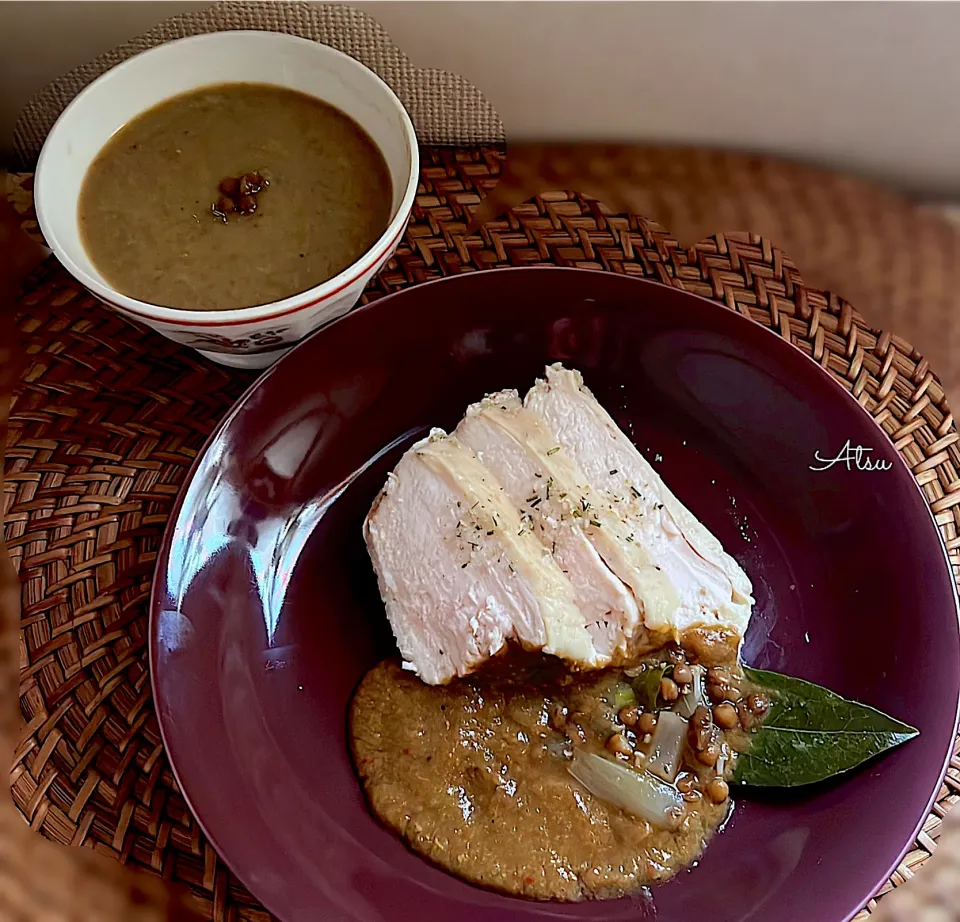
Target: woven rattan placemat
{"type": "Point", "coordinates": [109, 417]}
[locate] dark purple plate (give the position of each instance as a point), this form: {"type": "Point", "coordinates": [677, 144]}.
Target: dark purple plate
{"type": "Point", "coordinates": [265, 612]}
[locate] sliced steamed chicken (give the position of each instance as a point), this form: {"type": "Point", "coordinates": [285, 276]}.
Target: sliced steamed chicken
{"type": "Point", "coordinates": [592, 546]}
{"type": "Point", "coordinates": [459, 572]}
{"type": "Point", "coordinates": [710, 586]}
{"type": "Point", "coordinates": [539, 522]}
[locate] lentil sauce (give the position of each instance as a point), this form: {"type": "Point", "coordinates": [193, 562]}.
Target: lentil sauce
{"type": "Point", "coordinates": [151, 208]}
{"type": "Point", "coordinates": [475, 776]}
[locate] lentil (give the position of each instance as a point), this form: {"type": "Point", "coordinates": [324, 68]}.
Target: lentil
{"type": "Point", "coordinates": [716, 693]}
{"type": "Point", "coordinates": [717, 675]}
{"type": "Point", "coordinates": [699, 729]}
{"type": "Point", "coordinates": [685, 784]}
{"type": "Point", "coordinates": [683, 675]}
{"type": "Point", "coordinates": [725, 715]}
{"type": "Point", "coordinates": [719, 790]}
{"type": "Point", "coordinates": [247, 204]}
{"type": "Point", "coordinates": [722, 693]}
{"type": "Point", "coordinates": [619, 745]}
{"type": "Point", "coordinates": [709, 754]}
{"type": "Point", "coordinates": [251, 183]}
{"type": "Point", "coordinates": [647, 722]}
{"type": "Point", "coordinates": [668, 690]}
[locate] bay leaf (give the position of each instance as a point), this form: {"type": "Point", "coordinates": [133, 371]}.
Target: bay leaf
{"type": "Point", "coordinates": [810, 734]}
{"type": "Point", "coordinates": [646, 685]}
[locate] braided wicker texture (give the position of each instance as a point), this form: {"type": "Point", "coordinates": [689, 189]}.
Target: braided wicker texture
{"type": "Point", "coordinates": [109, 417]}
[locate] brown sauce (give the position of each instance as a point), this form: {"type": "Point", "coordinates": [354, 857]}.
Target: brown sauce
{"type": "Point", "coordinates": [147, 208]}
{"type": "Point", "coordinates": [475, 777]}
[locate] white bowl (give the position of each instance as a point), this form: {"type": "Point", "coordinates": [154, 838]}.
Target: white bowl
{"type": "Point", "coordinates": [250, 337]}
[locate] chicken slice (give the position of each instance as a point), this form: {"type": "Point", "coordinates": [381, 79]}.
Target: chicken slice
{"type": "Point", "coordinates": [710, 587]}
{"type": "Point", "coordinates": [460, 573]}
{"type": "Point", "coordinates": [592, 546]}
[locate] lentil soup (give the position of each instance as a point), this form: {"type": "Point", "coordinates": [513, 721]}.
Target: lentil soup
{"type": "Point", "coordinates": [232, 196]}
{"type": "Point", "coordinates": [478, 775]}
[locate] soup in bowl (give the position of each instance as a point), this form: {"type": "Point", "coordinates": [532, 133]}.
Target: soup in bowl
{"type": "Point", "coordinates": [234, 191]}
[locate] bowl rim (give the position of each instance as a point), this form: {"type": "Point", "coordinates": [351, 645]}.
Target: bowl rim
{"type": "Point", "coordinates": [244, 315]}
{"type": "Point", "coordinates": [163, 552]}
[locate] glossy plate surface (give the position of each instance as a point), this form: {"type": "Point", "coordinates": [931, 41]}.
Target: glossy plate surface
{"type": "Point", "coordinates": [265, 611]}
